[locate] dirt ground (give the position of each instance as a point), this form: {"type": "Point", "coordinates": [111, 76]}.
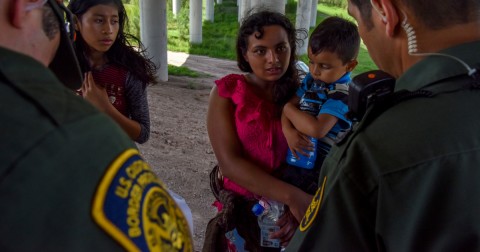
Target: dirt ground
{"type": "Point", "coordinates": [179, 150]}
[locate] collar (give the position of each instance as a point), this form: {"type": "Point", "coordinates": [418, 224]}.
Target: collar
{"type": "Point", "coordinates": [344, 79]}
{"type": "Point", "coordinates": [33, 80]}
{"type": "Point", "coordinates": [435, 68]}
{"type": "Point", "coordinates": [23, 71]}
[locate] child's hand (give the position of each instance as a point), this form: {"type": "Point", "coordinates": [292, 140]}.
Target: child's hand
{"type": "Point", "coordinates": [94, 93]}
{"type": "Point", "coordinates": [298, 142]}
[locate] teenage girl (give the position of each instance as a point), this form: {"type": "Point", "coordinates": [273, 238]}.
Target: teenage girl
{"type": "Point", "coordinates": [116, 73]}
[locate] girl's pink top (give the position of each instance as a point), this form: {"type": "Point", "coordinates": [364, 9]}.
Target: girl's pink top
{"type": "Point", "coordinates": [258, 129]}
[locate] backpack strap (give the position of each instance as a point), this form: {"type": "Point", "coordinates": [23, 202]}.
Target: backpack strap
{"type": "Point", "coordinates": [430, 91]}
{"type": "Point", "coordinates": [391, 100]}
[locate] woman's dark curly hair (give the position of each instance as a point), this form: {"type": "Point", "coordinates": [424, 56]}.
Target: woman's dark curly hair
{"type": "Point", "coordinates": [122, 52]}
{"type": "Point", "coordinates": [255, 22]}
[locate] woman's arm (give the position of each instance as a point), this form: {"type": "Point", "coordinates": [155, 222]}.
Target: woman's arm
{"type": "Point", "coordinates": [136, 97]}
{"type": "Point", "coordinates": [234, 165]}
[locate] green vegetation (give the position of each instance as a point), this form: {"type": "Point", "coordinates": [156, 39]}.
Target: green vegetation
{"type": "Point", "coordinates": [183, 71]}
{"type": "Point", "coordinates": [333, 10]}
{"type": "Point", "coordinates": [218, 38]}
{"type": "Point", "coordinates": [338, 3]}
{"type": "Point", "coordinates": [133, 12]}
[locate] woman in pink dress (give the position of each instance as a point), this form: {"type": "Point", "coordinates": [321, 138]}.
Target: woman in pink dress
{"type": "Point", "coordinates": [244, 127]}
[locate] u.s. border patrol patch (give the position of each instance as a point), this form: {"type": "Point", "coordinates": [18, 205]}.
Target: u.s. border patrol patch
{"type": "Point", "coordinates": [132, 205]}
{"type": "Point", "coordinates": [313, 208]}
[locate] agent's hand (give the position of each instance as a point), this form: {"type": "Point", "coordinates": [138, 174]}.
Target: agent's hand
{"type": "Point", "coordinates": [94, 93]}
{"type": "Point", "coordinates": [288, 224]}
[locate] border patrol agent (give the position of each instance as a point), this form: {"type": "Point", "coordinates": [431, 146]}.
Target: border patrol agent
{"type": "Point", "coordinates": [406, 178]}
{"type": "Point", "coordinates": [64, 186]}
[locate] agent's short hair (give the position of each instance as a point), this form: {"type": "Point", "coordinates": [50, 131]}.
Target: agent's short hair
{"type": "Point", "coordinates": [434, 14]}
{"type": "Point", "coordinates": [50, 24]}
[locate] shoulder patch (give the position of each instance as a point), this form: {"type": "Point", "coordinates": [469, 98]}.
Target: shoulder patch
{"type": "Point", "coordinates": [133, 206]}
{"type": "Point", "coordinates": [313, 208]}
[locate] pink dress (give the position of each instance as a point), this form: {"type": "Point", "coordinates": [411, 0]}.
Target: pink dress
{"type": "Point", "coordinates": [258, 129]}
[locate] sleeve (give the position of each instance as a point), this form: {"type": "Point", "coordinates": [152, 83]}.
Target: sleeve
{"type": "Point", "coordinates": [337, 105]}
{"type": "Point", "coordinates": [338, 109]}
{"type": "Point", "coordinates": [340, 218]}
{"type": "Point", "coordinates": [137, 105]}
{"type": "Point", "coordinates": [227, 85]}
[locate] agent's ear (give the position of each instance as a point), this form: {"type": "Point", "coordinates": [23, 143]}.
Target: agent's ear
{"type": "Point", "coordinates": [389, 14]}
{"type": "Point", "coordinates": [392, 13]}
{"type": "Point", "coordinates": [17, 13]}
{"type": "Point", "coordinates": [376, 7]}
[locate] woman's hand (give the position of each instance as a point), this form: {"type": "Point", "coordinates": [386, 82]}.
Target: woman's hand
{"type": "Point", "coordinates": [298, 142]}
{"type": "Point", "coordinates": [288, 224]}
{"type": "Point", "coordinates": [299, 204]}
{"type": "Point", "coordinates": [94, 93]}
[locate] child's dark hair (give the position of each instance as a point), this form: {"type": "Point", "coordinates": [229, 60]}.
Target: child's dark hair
{"type": "Point", "coordinates": [122, 52]}
{"type": "Point", "coordinates": [255, 22]}
{"type": "Point", "coordinates": [336, 35]}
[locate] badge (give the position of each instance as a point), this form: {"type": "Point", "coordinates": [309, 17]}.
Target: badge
{"type": "Point", "coordinates": [133, 206]}
{"type": "Point", "coordinates": [313, 208]}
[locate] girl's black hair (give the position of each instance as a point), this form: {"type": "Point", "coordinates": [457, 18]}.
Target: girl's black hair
{"type": "Point", "coordinates": [122, 52]}
{"type": "Point", "coordinates": [289, 82]}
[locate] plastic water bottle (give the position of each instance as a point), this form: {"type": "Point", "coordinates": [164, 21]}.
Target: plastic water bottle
{"type": "Point", "coordinates": [310, 103]}
{"type": "Point", "coordinates": [268, 212]}
{"type": "Point", "coordinates": [307, 162]}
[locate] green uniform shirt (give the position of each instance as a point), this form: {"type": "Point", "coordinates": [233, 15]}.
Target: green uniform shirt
{"type": "Point", "coordinates": [409, 181]}
{"type": "Point", "coordinates": [70, 179]}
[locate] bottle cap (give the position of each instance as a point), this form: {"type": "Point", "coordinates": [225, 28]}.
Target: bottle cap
{"type": "Point", "coordinates": [257, 209]}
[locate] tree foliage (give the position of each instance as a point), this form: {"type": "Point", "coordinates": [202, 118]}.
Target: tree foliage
{"type": "Point", "coordinates": [338, 3]}
{"type": "Point", "coordinates": [133, 12]}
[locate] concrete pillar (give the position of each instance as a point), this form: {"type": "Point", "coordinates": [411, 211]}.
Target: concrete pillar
{"type": "Point", "coordinates": [303, 22]}
{"type": "Point", "coordinates": [153, 33]}
{"type": "Point", "coordinates": [255, 3]}
{"type": "Point", "coordinates": [274, 5]}
{"type": "Point", "coordinates": [176, 5]}
{"type": "Point", "coordinates": [195, 21]}
{"type": "Point", "coordinates": [313, 14]}
{"type": "Point", "coordinates": [209, 11]}
{"type": "Point", "coordinates": [243, 8]}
